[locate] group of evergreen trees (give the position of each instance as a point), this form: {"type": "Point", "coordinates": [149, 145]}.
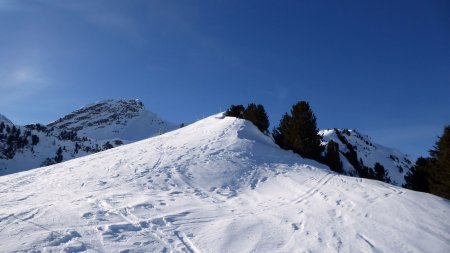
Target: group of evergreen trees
{"type": "Point", "coordinates": [254, 113]}
{"type": "Point", "coordinates": [68, 135]}
{"type": "Point", "coordinates": [298, 132]}
{"type": "Point", "coordinates": [14, 139]}
{"type": "Point", "coordinates": [57, 159]}
{"type": "Point", "coordinates": [432, 174]}
{"type": "Point", "coordinates": [332, 157]}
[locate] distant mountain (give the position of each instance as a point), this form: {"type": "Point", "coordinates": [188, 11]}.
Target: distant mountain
{"type": "Point", "coordinates": [91, 129]}
{"type": "Point", "coordinates": [368, 153]}
{"type": "Point", "coordinates": [111, 123]}
{"type": "Point", "coordinates": [217, 185]}
{"type": "Point", "coordinates": [123, 119]}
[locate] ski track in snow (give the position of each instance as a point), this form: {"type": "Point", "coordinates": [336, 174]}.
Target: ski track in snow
{"type": "Point", "coordinates": [218, 185]}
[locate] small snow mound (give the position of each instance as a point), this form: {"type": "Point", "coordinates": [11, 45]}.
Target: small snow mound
{"type": "Point", "coordinates": [220, 115]}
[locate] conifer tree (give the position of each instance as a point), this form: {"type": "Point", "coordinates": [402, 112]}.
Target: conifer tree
{"type": "Point", "coordinates": [440, 166]}
{"type": "Point", "coordinates": [59, 156]}
{"type": "Point", "coordinates": [433, 174]}
{"type": "Point", "coordinates": [254, 113]}
{"type": "Point", "coordinates": [107, 146]}
{"type": "Point", "coordinates": [235, 111]}
{"type": "Point", "coordinates": [298, 132]}
{"type": "Point", "coordinates": [257, 115]}
{"type": "Point", "coordinates": [380, 173]}
{"type": "Point", "coordinates": [417, 177]}
{"type": "Point", "coordinates": [332, 158]}
{"type": "Point", "coordinates": [34, 139]}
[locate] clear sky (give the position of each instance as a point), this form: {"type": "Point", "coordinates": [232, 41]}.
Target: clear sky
{"type": "Point", "coordinates": [382, 67]}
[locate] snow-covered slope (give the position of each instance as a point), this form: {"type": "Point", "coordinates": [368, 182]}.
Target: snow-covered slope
{"type": "Point", "coordinates": [5, 120]}
{"type": "Point", "coordinates": [93, 128]}
{"type": "Point", "coordinates": [396, 163]}
{"type": "Point", "coordinates": [127, 120]}
{"type": "Point", "coordinates": [218, 185]}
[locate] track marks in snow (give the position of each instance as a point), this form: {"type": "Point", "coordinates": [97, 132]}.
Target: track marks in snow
{"type": "Point", "coordinates": [160, 232]}
{"type": "Point", "coordinates": [28, 215]}
{"type": "Point", "coordinates": [56, 239]}
{"type": "Point", "coordinates": [368, 242]}
{"type": "Point", "coordinates": [67, 241]}
{"type": "Point", "coordinates": [120, 227]}
{"type": "Point", "coordinates": [315, 189]}
{"type": "Point", "coordinates": [188, 245]}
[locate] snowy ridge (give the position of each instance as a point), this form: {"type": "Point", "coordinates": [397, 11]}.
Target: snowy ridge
{"type": "Point", "coordinates": [217, 185]}
{"type": "Point", "coordinates": [395, 162]}
{"type": "Point", "coordinates": [91, 129]}
{"type": "Point", "coordinates": [5, 120]}
{"type": "Point", "coordinates": [123, 119]}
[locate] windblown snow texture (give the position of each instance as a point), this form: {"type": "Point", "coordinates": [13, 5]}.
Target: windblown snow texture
{"type": "Point", "coordinates": [218, 185]}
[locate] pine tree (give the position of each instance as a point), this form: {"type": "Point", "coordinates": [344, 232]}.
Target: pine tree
{"type": "Point", "coordinates": [298, 132]}
{"type": "Point", "coordinates": [59, 155]}
{"type": "Point", "coordinates": [257, 115]}
{"type": "Point", "coordinates": [107, 146]}
{"type": "Point", "coordinates": [440, 166]}
{"type": "Point", "coordinates": [34, 139]}
{"type": "Point", "coordinates": [254, 113]}
{"type": "Point", "coordinates": [380, 173]}
{"type": "Point", "coordinates": [417, 177]}
{"type": "Point", "coordinates": [236, 111]}
{"type": "Point", "coordinates": [332, 158]}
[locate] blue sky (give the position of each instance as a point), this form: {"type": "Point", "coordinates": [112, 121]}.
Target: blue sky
{"type": "Point", "coordinates": [382, 67]}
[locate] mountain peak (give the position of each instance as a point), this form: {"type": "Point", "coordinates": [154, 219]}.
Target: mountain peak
{"type": "Point", "coordinates": [395, 162]}
{"type": "Point", "coordinates": [114, 118]}
{"type": "Point", "coordinates": [117, 103]}
{"type": "Point", "coordinates": [111, 107]}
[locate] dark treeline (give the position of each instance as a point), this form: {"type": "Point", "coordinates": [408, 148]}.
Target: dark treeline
{"type": "Point", "coordinates": [432, 174]}
{"type": "Point", "coordinates": [254, 113]}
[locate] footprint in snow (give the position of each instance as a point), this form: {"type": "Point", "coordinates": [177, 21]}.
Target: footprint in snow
{"type": "Point", "coordinates": [56, 239]}
{"type": "Point", "coordinates": [87, 215]}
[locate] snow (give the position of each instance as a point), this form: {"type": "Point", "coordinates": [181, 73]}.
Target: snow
{"type": "Point", "coordinates": [127, 120]}
{"type": "Point", "coordinates": [96, 124]}
{"type": "Point", "coordinates": [218, 185]}
{"type": "Point", "coordinates": [5, 120]}
{"type": "Point", "coordinates": [394, 161]}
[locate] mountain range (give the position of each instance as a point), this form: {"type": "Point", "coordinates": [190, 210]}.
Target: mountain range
{"type": "Point", "coordinates": [217, 185]}
{"type": "Point", "coordinates": [93, 128]}
{"type": "Point", "coordinates": [111, 123]}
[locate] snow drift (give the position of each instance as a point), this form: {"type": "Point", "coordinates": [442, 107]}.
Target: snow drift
{"type": "Point", "coordinates": [218, 185]}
